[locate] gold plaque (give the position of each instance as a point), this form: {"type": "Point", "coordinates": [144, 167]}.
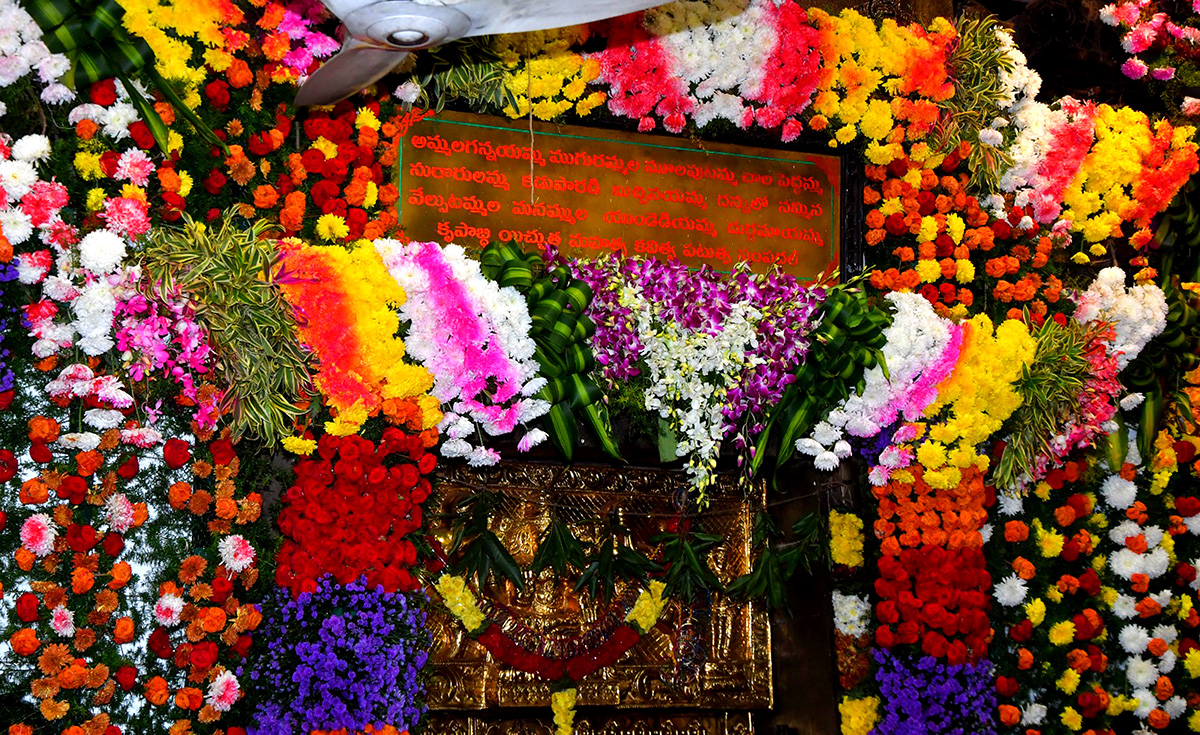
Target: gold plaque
{"type": "Point", "coordinates": [474, 179]}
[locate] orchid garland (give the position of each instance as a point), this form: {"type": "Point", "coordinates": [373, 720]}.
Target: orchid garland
{"type": "Point", "coordinates": [473, 336]}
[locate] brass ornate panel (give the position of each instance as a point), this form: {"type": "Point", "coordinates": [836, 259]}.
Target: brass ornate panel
{"type": "Point", "coordinates": [734, 673]}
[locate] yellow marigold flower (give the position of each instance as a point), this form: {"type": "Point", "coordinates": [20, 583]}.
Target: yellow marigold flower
{"type": "Point", "coordinates": [1035, 611]}
{"type": "Point", "coordinates": [1185, 606]}
{"type": "Point", "coordinates": [185, 183]}
{"type": "Point", "coordinates": [562, 703]}
{"type": "Point", "coordinates": [1068, 682]}
{"type": "Point", "coordinates": [348, 421]}
{"type": "Point", "coordinates": [1097, 250]}
{"type": "Point", "coordinates": [299, 445]}
{"type": "Point", "coordinates": [95, 199]}
{"type": "Point", "coordinates": [965, 272]}
{"type": "Point", "coordinates": [846, 133]}
{"type": "Point", "coordinates": [366, 119]}
{"type": "Point", "coordinates": [929, 270]}
{"type": "Point", "coordinates": [372, 195]}
{"type": "Point", "coordinates": [332, 227]}
{"type": "Point", "coordinates": [1194, 721]}
{"type": "Point", "coordinates": [1071, 718]}
{"type": "Point", "coordinates": [1081, 258]}
{"type": "Point", "coordinates": [327, 147]}
{"type": "Point", "coordinates": [1050, 543]}
{"type": "Point", "coordinates": [1054, 595]}
{"type": "Point", "coordinates": [459, 601]}
{"type": "Point", "coordinates": [88, 166]}
{"type": "Point", "coordinates": [932, 455]}
{"type": "Point", "coordinates": [929, 229]}
{"type": "Point", "coordinates": [1191, 662]}
{"type": "Point", "coordinates": [1062, 633]}
{"type": "Point", "coordinates": [648, 607]}
{"type": "Point", "coordinates": [859, 716]}
{"type": "Point", "coordinates": [131, 191]}
{"type": "Point", "coordinates": [845, 538]}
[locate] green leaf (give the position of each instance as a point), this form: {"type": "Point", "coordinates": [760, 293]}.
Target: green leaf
{"type": "Point", "coordinates": [560, 426]}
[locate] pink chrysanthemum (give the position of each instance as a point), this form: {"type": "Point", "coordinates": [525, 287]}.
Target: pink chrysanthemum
{"type": "Point", "coordinates": [224, 691]}
{"type": "Point", "coordinates": [38, 534]}
{"type": "Point", "coordinates": [119, 513]}
{"type": "Point", "coordinates": [168, 609]}
{"type": "Point", "coordinates": [236, 553]}
{"type": "Point", "coordinates": [62, 621]}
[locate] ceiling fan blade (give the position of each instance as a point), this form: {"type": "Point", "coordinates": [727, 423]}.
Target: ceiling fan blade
{"type": "Point", "coordinates": [520, 16]}
{"type": "Point", "coordinates": [356, 66]}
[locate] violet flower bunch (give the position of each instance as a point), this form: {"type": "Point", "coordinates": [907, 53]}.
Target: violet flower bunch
{"type": "Point", "coordinates": [340, 657]}
{"type": "Point", "coordinates": [7, 326]}
{"type": "Point", "coordinates": [924, 696]}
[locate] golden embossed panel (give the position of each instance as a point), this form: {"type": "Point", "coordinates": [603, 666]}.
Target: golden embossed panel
{"type": "Point", "coordinates": [734, 673]}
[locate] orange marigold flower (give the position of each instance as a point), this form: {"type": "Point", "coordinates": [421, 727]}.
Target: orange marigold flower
{"type": "Point", "coordinates": [1024, 568]}
{"type": "Point", "coordinates": [1015, 531]}
{"type": "Point", "coordinates": [24, 642]}
{"type": "Point", "coordinates": [1157, 646]}
{"type": "Point", "coordinates": [123, 631]}
{"type": "Point", "coordinates": [1158, 718]}
{"type": "Point", "coordinates": [81, 580]}
{"type": "Point", "coordinates": [121, 574]}
{"type": "Point", "coordinates": [89, 462]}
{"type": "Point", "coordinates": [189, 698]}
{"type": "Point", "coordinates": [191, 569]}
{"type": "Point", "coordinates": [43, 429]}
{"type": "Point", "coordinates": [52, 709]}
{"type": "Point", "coordinates": [1163, 689]}
{"type": "Point", "coordinates": [1147, 607]}
{"type": "Point", "coordinates": [156, 690]}
{"type": "Point", "coordinates": [265, 197]}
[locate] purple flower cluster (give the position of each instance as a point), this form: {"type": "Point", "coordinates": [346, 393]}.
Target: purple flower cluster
{"type": "Point", "coordinates": [701, 300]}
{"type": "Point", "coordinates": [340, 657]}
{"type": "Point", "coordinates": [8, 272]}
{"type": "Point", "coordinates": [926, 697]}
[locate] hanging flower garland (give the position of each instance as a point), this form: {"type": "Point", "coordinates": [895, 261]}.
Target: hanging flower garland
{"type": "Point", "coordinates": [473, 336]}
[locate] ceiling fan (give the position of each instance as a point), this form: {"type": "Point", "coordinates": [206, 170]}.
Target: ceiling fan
{"type": "Point", "coordinates": [381, 33]}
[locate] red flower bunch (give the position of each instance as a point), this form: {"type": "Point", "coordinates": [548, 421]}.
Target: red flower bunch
{"type": "Point", "coordinates": [935, 597]}
{"type": "Point", "coordinates": [350, 509]}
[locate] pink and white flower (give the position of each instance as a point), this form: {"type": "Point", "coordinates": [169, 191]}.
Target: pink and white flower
{"type": "Point", "coordinates": [224, 691]}
{"type": "Point", "coordinates": [168, 609]}
{"type": "Point", "coordinates": [119, 513]}
{"type": "Point", "coordinates": [236, 553]}
{"type": "Point", "coordinates": [62, 621]}
{"type": "Point", "coordinates": [38, 534]}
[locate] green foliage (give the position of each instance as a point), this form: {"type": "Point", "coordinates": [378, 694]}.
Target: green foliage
{"type": "Point", "coordinates": [468, 70]}
{"type": "Point", "coordinates": [685, 557]}
{"type": "Point", "coordinates": [848, 341]}
{"type": "Point", "coordinates": [612, 560]}
{"type": "Point", "coordinates": [975, 63]}
{"type": "Point", "coordinates": [482, 555]}
{"type": "Point", "coordinates": [560, 328]}
{"type": "Point", "coordinates": [558, 549]}
{"type": "Point", "coordinates": [226, 270]}
{"type": "Point", "coordinates": [1049, 387]}
{"type": "Point", "coordinates": [779, 559]}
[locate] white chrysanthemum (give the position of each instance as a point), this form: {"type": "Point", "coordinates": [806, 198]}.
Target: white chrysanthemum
{"type": "Point", "coordinates": [1126, 563]}
{"type": "Point", "coordinates": [825, 434]}
{"type": "Point", "coordinates": [103, 419]}
{"type": "Point", "coordinates": [1146, 702]}
{"type": "Point", "coordinates": [1011, 591]}
{"type": "Point", "coordinates": [1175, 706]}
{"type": "Point", "coordinates": [826, 461]}
{"type": "Point", "coordinates": [1167, 661]}
{"type": "Point", "coordinates": [1132, 401]}
{"type": "Point", "coordinates": [455, 448]}
{"type": "Point", "coordinates": [1134, 639]}
{"type": "Point", "coordinates": [985, 532]}
{"type": "Point", "coordinates": [1156, 563]}
{"type": "Point", "coordinates": [167, 610]}
{"type": "Point", "coordinates": [1033, 714]}
{"type": "Point", "coordinates": [483, 457]}
{"type": "Point", "coordinates": [56, 93]}
{"type": "Point", "coordinates": [808, 446]}
{"type": "Point", "coordinates": [1140, 672]}
{"type": "Point", "coordinates": [236, 553]}
{"type": "Point", "coordinates": [17, 177]}
{"type": "Point", "coordinates": [531, 440]}
{"type": "Point", "coordinates": [1126, 529]}
{"type": "Point", "coordinates": [1193, 525]}
{"type": "Point", "coordinates": [101, 251]}
{"type": "Point", "coordinates": [1118, 492]}
{"type": "Point", "coordinates": [84, 441]}
{"type": "Point", "coordinates": [18, 227]}
{"type": "Point", "coordinates": [1011, 503]}
{"type": "Point", "coordinates": [143, 437]}
{"type": "Point", "coordinates": [31, 148]}
{"type": "Point", "coordinates": [851, 614]}
{"type": "Point", "coordinates": [1125, 607]}
{"type": "Point", "coordinates": [842, 449]}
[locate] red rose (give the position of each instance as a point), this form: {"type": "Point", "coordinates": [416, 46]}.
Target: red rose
{"type": "Point", "coordinates": [1187, 506]}
{"type": "Point", "coordinates": [27, 607]}
{"type": "Point", "coordinates": [39, 452]}
{"type": "Point", "coordinates": [176, 453]}
{"type": "Point", "coordinates": [214, 182]}
{"type": "Point", "coordinates": [126, 677]}
{"type": "Point", "coordinates": [204, 654]}
{"type": "Point", "coordinates": [242, 645]}
{"type": "Point", "coordinates": [129, 468]}
{"type": "Point", "coordinates": [81, 539]}
{"type": "Point", "coordinates": [103, 93]}
{"type": "Point", "coordinates": [3, 520]}
{"type": "Point", "coordinates": [1006, 686]}
{"type": "Point", "coordinates": [221, 588]}
{"type": "Point", "coordinates": [72, 489]}
{"type": "Point", "coordinates": [259, 144]}
{"type": "Point", "coordinates": [1184, 451]}
{"type": "Point", "coordinates": [927, 203]}
{"type": "Point", "coordinates": [217, 93]}
{"type": "Point", "coordinates": [1001, 230]}
{"type": "Point", "coordinates": [1022, 631]}
{"type": "Point", "coordinates": [222, 452]}
{"type": "Point", "coordinates": [930, 293]}
{"type": "Point", "coordinates": [6, 399]}
{"type": "Point", "coordinates": [113, 544]}
{"type": "Point", "coordinates": [142, 137]}
{"type": "Point", "coordinates": [8, 465]}
{"type": "Point", "coordinates": [160, 643]}
{"type": "Point", "coordinates": [943, 246]}
{"type": "Point", "coordinates": [1089, 582]}
{"type": "Point", "coordinates": [895, 224]}
{"type": "Point", "coordinates": [427, 464]}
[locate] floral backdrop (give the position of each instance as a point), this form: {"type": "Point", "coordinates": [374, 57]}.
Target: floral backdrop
{"type": "Point", "coordinates": [227, 379]}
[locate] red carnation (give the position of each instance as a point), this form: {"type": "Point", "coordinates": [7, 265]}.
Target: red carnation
{"type": "Point", "coordinates": [6, 399]}
{"type": "Point", "coordinates": [113, 544]}
{"type": "Point", "coordinates": [128, 468]}
{"type": "Point", "coordinates": [160, 643]}
{"type": "Point", "coordinates": [895, 224]}
{"type": "Point", "coordinates": [127, 676]}
{"type": "Point", "coordinates": [103, 93]}
{"type": "Point", "coordinates": [8, 465]}
{"type": "Point", "coordinates": [142, 137]}
{"type": "Point", "coordinates": [1187, 506]}
{"type": "Point", "coordinates": [221, 588]}
{"type": "Point", "coordinates": [1022, 631]}
{"type": "Point", "coordinates": [72, 489]}
{"type": "Point", "coordinates": [1184, 451]}
{"type": "Point", "coordinates": [176, 453]}
{"type": "Point", "coordinates": [214, 182]}
{"type": "Point", "coordinates": [81, 539]}
{"type": "Point", "coordinates": [39, 452]}
{"type": "Point", "coordinates": [1006, 686]}
{"type": "Point", "coordinates": [217, 92]}
{"type": "Point", "coordinates": [27, 607]}
{"type": "Point", "coordinates": [222, 452]}
{"type": "Point", "coordinates": [204, 654]}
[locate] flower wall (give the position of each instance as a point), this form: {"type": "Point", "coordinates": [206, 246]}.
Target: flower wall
{"type": "Point", "coordinates": [227, 379]}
